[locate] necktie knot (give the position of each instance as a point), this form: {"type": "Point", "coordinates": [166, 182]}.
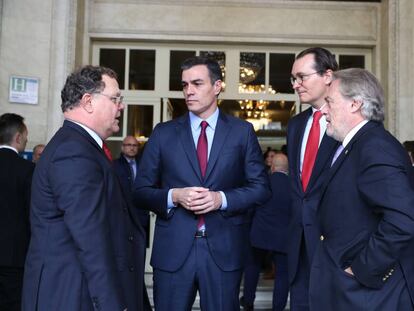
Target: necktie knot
{"type": "Point", "coordinates": [317, 116]}
{"type": "Point", "coordinates": [203, 125]}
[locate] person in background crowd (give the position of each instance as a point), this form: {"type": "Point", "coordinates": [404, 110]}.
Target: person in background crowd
{"type": "Point", "coordinates": [309, 152]}
{"type": "Point", "coordinates": [37, 152]}
{"type": "Point", "coordinates": [269, 234]}
{"type": "Point", "coordinates": [200, 174]}
{"type": "Point", "coordinates": [15, 184]}
{"type": "Point", "coordinates": [87, 246]}
{"type": "Point", "coordinates": [364, 260]}
{"type": "Point", "coordinates": [126, 167]}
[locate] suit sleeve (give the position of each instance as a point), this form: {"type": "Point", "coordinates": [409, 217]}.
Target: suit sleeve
{"type": "Point", "coordinates": [255, 190]}
{"type": "Point", "coordinates": [384, 185]}
{"type": "Point", "coordinates": [147, 190]}
{"type": "Point", "coordinates": [81, 192]}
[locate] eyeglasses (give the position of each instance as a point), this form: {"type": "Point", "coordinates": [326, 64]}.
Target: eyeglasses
{"type": "Point", "coordinates": [301, 77]}
{"type": "Point", "coordinates": [117, 100]}
{"type": "Point", "coordinates": [130, 145]}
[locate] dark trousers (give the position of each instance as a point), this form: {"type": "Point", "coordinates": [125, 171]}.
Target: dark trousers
{"type": "Point", "coordinates": [219, 290]}
{"type": "Point", "coordinates": [11, 282]}
{"type": "Point", "coordinates": [251, 277]}
{"type": "Point", "coordinates": [299, 288]}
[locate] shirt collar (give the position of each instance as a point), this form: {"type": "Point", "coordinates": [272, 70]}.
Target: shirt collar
{"type": "Point", "coordinates": [211, 120]}
{"type": "Point", "coordinates": [352, 132]}
{"type": "Point", "coordinates": [90, 132]}
{"type": "Point", "coordinates": [9, 147]}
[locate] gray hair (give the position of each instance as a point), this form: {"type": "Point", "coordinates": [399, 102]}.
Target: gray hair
{"type": "Point", "coordinates": [360, 84]}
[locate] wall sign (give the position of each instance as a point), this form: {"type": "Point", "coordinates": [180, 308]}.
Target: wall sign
{"type": "Point", "coordinates": [24, 90]}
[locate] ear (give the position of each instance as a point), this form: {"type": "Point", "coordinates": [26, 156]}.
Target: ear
{"type": "Point", "coordinates": [86, 102]}
{"type": "Point", "coordinates": [18, 138]}
{"type": "Point", "coordinates": [356, 105]}
{"type": "Point", "coordinates": [217, 87]}
{"type": "Point", "coordinates": [328, 76]}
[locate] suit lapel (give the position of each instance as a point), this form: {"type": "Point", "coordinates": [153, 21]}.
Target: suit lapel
{"type": "Point", "coordinates": [220, 135]}
{"type": "Point", "coordinates": [344, 154]}
{"type": "Point", "coordinates": [324, 155]}
{"type": "Point", "coordinates": [186, 138]}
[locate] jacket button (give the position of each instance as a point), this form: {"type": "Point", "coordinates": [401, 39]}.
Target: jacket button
{"type": "Point", "coordinates": [131, 238]}
{"type": "Point", "coordinates": [131, 268]}
{"type": "Point", "coordinates": [321, 238]}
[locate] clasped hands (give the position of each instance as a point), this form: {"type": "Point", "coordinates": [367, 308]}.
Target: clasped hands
{"type": "Point", "coordinates": [199, 200]}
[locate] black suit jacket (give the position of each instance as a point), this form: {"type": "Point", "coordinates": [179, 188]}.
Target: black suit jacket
{"type": "Point", "coordinates": [124, 173]}
{"type": "Point", "coordinates": [15, 183]}
{"type": "Point", "coordinates": [235, 166]}
{"type": "Point", "coordinates": [270, 222]}
{"type": "Point", "coordinates": [87, 246]}
{"type": "Point", "coordinates": [303, 222]}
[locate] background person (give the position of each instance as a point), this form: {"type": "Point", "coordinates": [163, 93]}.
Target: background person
{"type": "Point", "coordinates": [15, 183]}
{"type": "Point", "coordinates": [37, 152]}
{"type": "Point", "coordinates": [269, 234]}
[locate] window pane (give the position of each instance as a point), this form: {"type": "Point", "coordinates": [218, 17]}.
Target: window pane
{"type": "Point", "coordinates": [176, 59]}
{"type": "Point", "coordinates": [351, 61]}
{"type": "Point", "coordinates": [220, 57]}
{"type": "Point", "coordinates": [252, 72]}
{"type": "Point", "coordinates": [114, 59]}
{"type": "Point", "coordinates": [140, 120]}
{"type": "Point", "coordinates": [142, 70]}
{"type": "Point", "coordinates": [279, 73]}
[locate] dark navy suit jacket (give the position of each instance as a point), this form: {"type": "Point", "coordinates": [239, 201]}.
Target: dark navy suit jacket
{"type": "Point", "coordinates": [367, 220]}
{"type": "Point", "coordinates": [87, 246]}
{"type": "Point", "coordinates": [235, 166]}
{"type": "Point", "coordinates": [303, 222]}
{"type": "Point", "coordinates": [270, 222]}
{"type": "Point", "coordinates": [123, 170]}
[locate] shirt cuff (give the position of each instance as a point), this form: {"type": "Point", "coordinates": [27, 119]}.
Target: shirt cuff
{"type": "Point", "coordinates": [170, 203]}
{"type": "Point", "coordinates": [223, 201]}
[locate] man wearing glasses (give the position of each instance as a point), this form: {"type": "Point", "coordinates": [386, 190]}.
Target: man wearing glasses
{"type": "Point", "coordinates": [126, 167]}
{"type": "Point", "coordinates": [309, 151]}
{"type": "Point", "coordinates": [87, 246]}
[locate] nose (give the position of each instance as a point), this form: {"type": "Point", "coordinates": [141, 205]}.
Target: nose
{"type": "Point", "coordinates": [121, 107]}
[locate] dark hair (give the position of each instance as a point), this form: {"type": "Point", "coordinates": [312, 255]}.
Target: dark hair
{"type": "Point", "coordinates": [10, 124]}
{"type": "Point", "coordinates": [214, 70]}
{"type": "Point", "coordinates": [324, 59]}
{"type": "Point", "coordinates": [87, 79]}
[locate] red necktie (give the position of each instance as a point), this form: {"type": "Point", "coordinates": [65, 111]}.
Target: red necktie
{"type": "Point", "coordinates": [107, 151]}
{"type": "Point", "coordinates": [311, 149]}
{"type": "Point", "coordinates": [202, 159]}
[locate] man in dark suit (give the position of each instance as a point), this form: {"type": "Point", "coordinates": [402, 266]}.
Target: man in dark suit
{"type": "Point", "coordinates": [364, 260]}
{"type": "Point", "coordinates": [309, 152]}
{"type": "Point", "coordinates": [200, 174]}
{"type": "Point", "coordinates": [87, 246]}
{"type": "Point", "coordinates": [125, 168]}
{"type": "Point", "coordinates": [15, 183]}
{"type": "Point", "coordinates": [269, 233]}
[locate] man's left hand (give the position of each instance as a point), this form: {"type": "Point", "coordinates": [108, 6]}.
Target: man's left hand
{"type": "Point", "coordinates": [209, 201]}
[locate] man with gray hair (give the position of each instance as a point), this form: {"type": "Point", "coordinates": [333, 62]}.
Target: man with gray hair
{"type": "Point", "coordinates": [364, 260]}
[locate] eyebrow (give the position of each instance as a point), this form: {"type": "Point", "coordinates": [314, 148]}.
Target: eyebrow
{"type": "Point", "coordinates": [192, 81]}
